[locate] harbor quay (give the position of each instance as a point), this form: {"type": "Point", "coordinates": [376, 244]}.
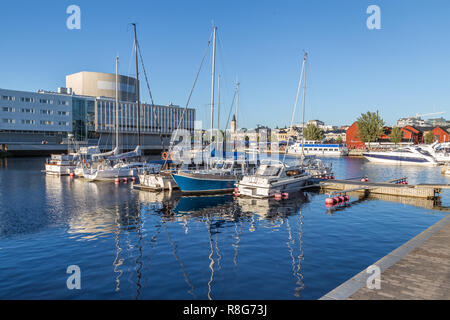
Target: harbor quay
{"type": "Point", "coordinates": [417, 270]}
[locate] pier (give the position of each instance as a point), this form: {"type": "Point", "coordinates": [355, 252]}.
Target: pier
{"type": "Point", "coordinates": [419, 269]}
{"type": "Point", "coordinates": [427, 191]}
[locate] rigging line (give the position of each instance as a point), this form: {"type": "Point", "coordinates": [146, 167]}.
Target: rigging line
{"type": "Point", "coordinates": [296, 102]}
{"type": "Point", "coordinates": [190, 95]}
{"type": "Point", "coordinates": [221, 56]}
{"type": "Point", "coordinates": [151, 97]}
{"type": "Point", "coordinates": [231, 108]}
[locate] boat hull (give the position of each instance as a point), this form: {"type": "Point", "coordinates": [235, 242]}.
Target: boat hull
{"type": "Point", "coordinates": [60, 170]}
{"type": "Point", "coordinates": [157, 182]}
{"type": "Point", "coordinates": [257, 190]}
{"type": "Point", "coordinates": [397, 159]}
{"type": "Point", "coordinates": [192, 183]}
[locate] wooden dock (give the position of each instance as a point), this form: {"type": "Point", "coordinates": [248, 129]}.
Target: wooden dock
{"type": "Point", "coordinates": [339, 187]}
{"type": "Point", "coordinates": [417, 270]}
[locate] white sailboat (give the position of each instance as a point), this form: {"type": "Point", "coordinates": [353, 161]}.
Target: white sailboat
{"type": "Point", "coordinates": [118, 165]}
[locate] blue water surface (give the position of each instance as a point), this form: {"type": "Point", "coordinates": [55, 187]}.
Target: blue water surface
{"type": "Point", "coordinates": [133, 244]}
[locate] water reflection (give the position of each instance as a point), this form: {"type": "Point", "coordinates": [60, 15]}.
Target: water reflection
{"type": "Point", "coordinates": [220, 212]}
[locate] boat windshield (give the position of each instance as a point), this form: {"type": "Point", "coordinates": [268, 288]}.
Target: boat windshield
{"type": "Point", "coordinates": [267, 170]}
{"type": "Point", "coordinates": [425, 153]}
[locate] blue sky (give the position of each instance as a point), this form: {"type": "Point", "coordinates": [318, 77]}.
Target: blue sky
{"type": "Point", "coordinates": [400, 70]}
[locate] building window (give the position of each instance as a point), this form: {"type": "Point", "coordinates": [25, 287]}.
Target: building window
{"type": "Point", "coordinates": [28, 110]}
{"type": "Point", "coordinates": [8, 98]}
{"type": "Point", "coordinates": [63, 123]}
{"type": "Point", "coordinates": [46, 101]}
{"type": "Point", "coordinates": [46, 122]}
{"type": "Point", "coordinates": [63, 113]}
{"type": "Point", "coordinates": [46, 111]}
{"type": "Point", "coordinates": [63, 102]}
{"type": "Point", "coordinates": [27, 99]}
{"type": "Point", "coordinates": [8, 121]}
{"type": "Point", "coordinates": [27, 121]}
{"type": "Point", "coordinates": [8, 109]}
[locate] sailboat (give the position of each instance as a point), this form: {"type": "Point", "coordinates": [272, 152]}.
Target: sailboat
{"type": "Point", "coordinates": [125, 164]}
{"type": "Point", "coordinates": [277, 177]}
{"type": "Point", "coordinates": [219, 176]}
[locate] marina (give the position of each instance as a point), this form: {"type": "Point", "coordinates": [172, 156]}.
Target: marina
{"type": "Point", "coordinates": [218, 158]}
{"type": "Point", "coordinates": [211, 243]}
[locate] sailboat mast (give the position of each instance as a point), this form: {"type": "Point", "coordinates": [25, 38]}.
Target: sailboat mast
{"type": "Point", "coordinates": [303, 106]}
{"type": "Point", "coordinates": [212, 81]}
{"type": "Point", "coordinates": [218, 103]}
{"type": "Point", "coordinates": [117, 102]}
{"type": "Point", "coordinates": [237, 103]}
{"type": "Point", "coordinates": [138, 105]}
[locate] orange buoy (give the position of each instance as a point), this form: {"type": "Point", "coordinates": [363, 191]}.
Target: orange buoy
{"type": "Point", "coordinates": [116, 180]}
{"type": "Point", "coordinates": [277, 196]}
{"type": "Point", "coordinates": [329, 201]}
{"type": "Point", "coordinates": [165, 155]}
{"type": "Point", "coordinates": [346, 198]}
{"type": "Point", "coordinates": [285, 195]}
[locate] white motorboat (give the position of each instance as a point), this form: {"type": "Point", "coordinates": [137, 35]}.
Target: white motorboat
{"type": "Point", "coordinates": [61, 164]}
{"type": "Point", "coordinates": [440, 151]}
{"type": "Point", "coordinates": [317, 148]}
{"type": "Point", "coordinates": [317, 169]}
{"type": "Point", "coordinates": [412, 155]}
{"type": "Point", "coordinates": [275, 177]}
{"type": "Point", "coordinates": [272, 177]}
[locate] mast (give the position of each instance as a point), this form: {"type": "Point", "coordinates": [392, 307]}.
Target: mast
{"type": "Point", "coordinates": [117, 102]}
{"type": "Point", "coordinates": [212, 82]}
{"type": "Point", "coordinates": [218, 103]}
{"type": "Point", "coordinates": [237, 103]}
{"type": "Point", "coordinates": [138, 105]}
{"type": "Point", "coordinates": [303, 106]}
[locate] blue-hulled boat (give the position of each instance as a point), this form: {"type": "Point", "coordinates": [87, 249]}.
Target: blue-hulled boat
{"type": "Point", "coordinates": [220, 177]}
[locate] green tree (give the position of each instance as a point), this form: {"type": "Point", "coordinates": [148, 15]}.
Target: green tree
{"type": "Point", "coordinates": [429, 137]}
{"type": "Point", "coordinates": [396, 135]}
{"type": "Point", "coordinates": [339, 140]}
{"type": "Point", "coordinates": [313, 133]}
{"type": "Point", "coordinates": [370, 127]}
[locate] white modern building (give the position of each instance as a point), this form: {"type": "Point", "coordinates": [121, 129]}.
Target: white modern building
{"type": "Point", "coordinates": [34, 116]}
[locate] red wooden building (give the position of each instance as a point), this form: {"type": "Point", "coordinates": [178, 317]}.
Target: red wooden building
{"type": "Point", "coordinates": [441, 134]}
{"type": "Point", "coordinates": [412, 134]}
{"type": "Point", "coordinates": [352, 137]}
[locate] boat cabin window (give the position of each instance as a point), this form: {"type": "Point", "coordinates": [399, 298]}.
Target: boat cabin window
{"type": "Point", "coordinates": [227, 166]}
{"type": "Point", "coordinates": [425, 153]}
{"type": "Point", "coordinates": [267, 170]}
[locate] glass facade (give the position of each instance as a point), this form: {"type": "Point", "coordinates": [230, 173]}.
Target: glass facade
{"type": "Point", "coordinates": [83, 118]}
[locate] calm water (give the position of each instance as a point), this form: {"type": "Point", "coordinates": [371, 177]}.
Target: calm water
{"type": "Point", "coordinates": [138, 245]}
